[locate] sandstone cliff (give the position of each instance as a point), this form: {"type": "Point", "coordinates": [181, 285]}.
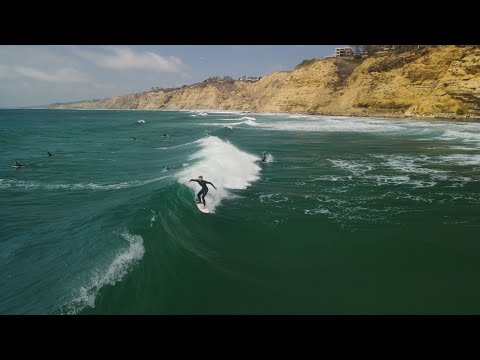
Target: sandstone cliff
{"type": "Point", "coordinates": [440, 80]}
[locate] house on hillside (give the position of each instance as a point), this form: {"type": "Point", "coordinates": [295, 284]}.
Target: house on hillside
{"type": "Point", "coordinates": [344, 52]}
{"type": "Point", "coordinates": [249, 78]}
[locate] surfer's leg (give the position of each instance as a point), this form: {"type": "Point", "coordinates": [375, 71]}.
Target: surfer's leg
{"type": "Point", "coordinates": [203, 196]}
{"type": "Point", "coordinates": [198, 196]}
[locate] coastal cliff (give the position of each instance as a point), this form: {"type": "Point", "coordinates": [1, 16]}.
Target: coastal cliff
{"type": "Point", "coordinates": [433, 81]}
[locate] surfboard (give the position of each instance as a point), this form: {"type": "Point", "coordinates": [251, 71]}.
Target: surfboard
{"type": "Point", "coordinates": [203, 208]}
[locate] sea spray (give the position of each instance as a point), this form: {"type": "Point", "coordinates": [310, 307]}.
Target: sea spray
{"type": "Point", "coordinates": [111, 274]}
{"type": "Point", "coordinates": [222, 164]}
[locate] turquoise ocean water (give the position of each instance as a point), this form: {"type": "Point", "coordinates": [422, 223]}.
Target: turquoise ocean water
{"type": "Point", "coordinates": [346, 216]}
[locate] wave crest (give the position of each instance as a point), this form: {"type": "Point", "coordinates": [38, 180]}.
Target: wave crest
{"type": "Point", "coordinates": [224, 165]}
{"type": "Point", "coordinates": [112, 274]}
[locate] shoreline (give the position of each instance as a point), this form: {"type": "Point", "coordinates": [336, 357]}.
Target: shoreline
{"type": "Point", "coordinates": [429, 117]}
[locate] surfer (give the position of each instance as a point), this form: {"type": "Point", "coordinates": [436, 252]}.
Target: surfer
{"type": "Point", "coordinates": [164, 135]}
{"type": "Point", "coordinates": [49, 153]}
{"type": "Point", "coordinates": [18, 165]}
{"type": "Point", "coordinates": [166, 168]}
{"type": "Point", "coordinates": [264, 156]}
{"type": "Point", "coordinates": [204, 191]}
{"type": "Point", "coordinates": [134, 138]}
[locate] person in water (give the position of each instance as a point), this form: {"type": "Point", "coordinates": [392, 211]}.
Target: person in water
{"type": "Point", "coordinates": [204, 191]}
{"type": "Point", "coordinates": [172, 167]}
{"type": "Point", "coordinates": [18, 165]}
{"type": "Point", "coordinates": [49, 153]}
{"type": "Point", "coordinates": [264, 156]}
{"type": "Point", "coordinates": [134, 138]}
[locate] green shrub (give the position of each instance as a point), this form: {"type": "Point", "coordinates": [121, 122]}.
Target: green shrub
{"type": "Point", "coordinates": [459, 111]}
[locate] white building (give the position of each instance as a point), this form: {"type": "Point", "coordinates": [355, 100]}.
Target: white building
{"type": "Point", "coordinates": [344, 52]}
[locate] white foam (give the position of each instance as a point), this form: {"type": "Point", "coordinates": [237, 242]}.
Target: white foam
{"type": "Point", "coordinates": [461, 159]}
{"type": "Point", "coordinates": [401, 196]}
{"type": "Point", "coordinates": [275, 197]}
{"type": "Point", "coordinates": [466, 132]}
{"type": "Point", "coordinates": [423, 184]}
{"type": "Point", "coordinates": [32, 185]}
{"type": "Point", "coordinates": [399, 180]}
{"type": "Point", "coordinates": [246, 122]}
{"type": "Point", "coordinates": [465, 136]}
{"type": "Point", "coordinates": [407, 164]}
{"type": "Point", "coordinates": [408, 169]}
{"type": "Point", "coordinates": [250, 122]}
{"type": "Point", "coordinates": [177, 146]}
{"type": "Point", "coordinates": [197, 112]}
{"type": "Point", "coordinates": [328, 178]}
{"type": "Point", "coordinates": [222, 164]}
{"type": "Point", "coordinates": [333, 125]}
{"type": "Point", "coordinates": [301, 116]}
{"type": "Point", "coordinates": [110, 275]}
{"type": "Point", "coordinates": [317, 211]}
{"type": "Point", "coordinates": [356, 167]}
{"type": "Point", "coordinates": [460, 148]}
{"type": "Point", "coordinates": [236, 112]}
{"type": "Point", "coordinates": [327, 199]}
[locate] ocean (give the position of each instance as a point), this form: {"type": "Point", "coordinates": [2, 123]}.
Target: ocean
{"type": "Point", "coordinates": [346, 215]}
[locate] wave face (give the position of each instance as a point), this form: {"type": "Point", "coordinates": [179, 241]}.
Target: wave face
{"type": "Point", "coordinates": [109, 225]}
{"type": "Point", "coordinates": [110, 275]}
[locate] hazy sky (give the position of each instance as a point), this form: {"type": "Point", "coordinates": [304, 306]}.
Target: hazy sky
{"type": "Point", "coordinates": [41, 75]}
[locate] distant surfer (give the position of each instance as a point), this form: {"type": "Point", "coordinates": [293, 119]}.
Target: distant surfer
{"type": "Point", "coordinates": [134, 138]}
{"type": "Point", "coordinates": [164, 135]}
{"type": "Point", "coordinates": [18, 165]}
{"type": "Point", "coordinates": [264, 156]}
{"type": "Point", "coordinates": [49, 153]}
{"type": "Point", "coordinates": [166, 168]}
{"type": "Point", "coordinates": [203, 192]}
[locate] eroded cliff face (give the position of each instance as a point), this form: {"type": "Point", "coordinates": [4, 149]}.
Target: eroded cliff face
{"type": "Point", "coordinates": [432, 81]}
{"type": "Point", "coordinates": [438, 80]}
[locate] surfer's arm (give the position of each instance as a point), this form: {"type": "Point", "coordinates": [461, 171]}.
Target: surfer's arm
{"type": "Point", "coordinates": [193, 180]}
{"type": "Point", "coordinates": [208, 182]}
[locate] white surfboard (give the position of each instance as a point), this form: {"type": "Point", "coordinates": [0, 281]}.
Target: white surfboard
{"type": "Point", "coordinates": [203, 208]}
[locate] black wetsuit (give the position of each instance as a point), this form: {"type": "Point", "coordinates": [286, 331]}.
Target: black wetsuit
{"type": "Point", "coordinates": [203, 192]}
